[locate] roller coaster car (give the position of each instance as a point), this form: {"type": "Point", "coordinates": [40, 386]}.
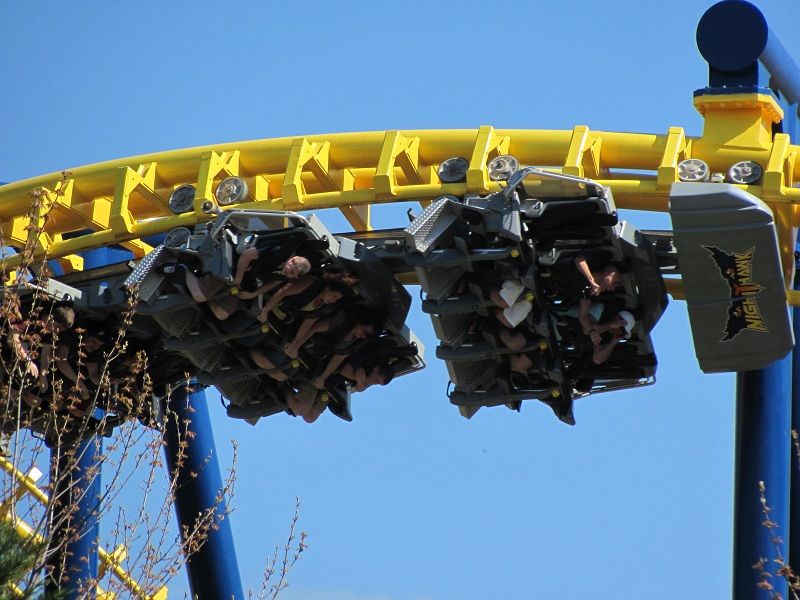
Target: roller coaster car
{"type": "Point", "coordinates": [466, 250]}
{"type": "Point", "coordinates": [219, 349]}
{"type": "Point", "coordinates": [107, 410]}
{"type": "Point", "coordinates": [251, 397]}
{"type": "Point", "coordinates": [727, 249]}
{"type": "Point", "coordinates": [180, 336]}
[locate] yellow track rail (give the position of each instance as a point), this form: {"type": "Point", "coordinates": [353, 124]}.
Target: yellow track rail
{"type": "Point", "coordinates": [123, 201]}
{"type": "Point", "coordinates": [109, 562]}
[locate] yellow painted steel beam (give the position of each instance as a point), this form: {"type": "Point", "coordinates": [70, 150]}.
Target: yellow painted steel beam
{"type": "Point", "coordinates": [20, 490]}
{"type": "Point", "coordinates": [109, 562]}
{"type": "Point", "coordinates": [23, 530]}
{"type": "Point", "coordinates": [29, 483]}
{"type": "Point", "coordinates": [123, 201]}
{"type": "Point", "coordinates": [736, 125]}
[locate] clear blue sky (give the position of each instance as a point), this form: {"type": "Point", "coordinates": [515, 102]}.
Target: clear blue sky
{"type": "Point", "coordinates": [410, 501]}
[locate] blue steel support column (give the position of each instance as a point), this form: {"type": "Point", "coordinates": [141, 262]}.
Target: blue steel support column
{"type": "Point", "coordinates": [745, 56]}
{"type": "Point", "coordinates": [213, 570]}
{"type": "Point", "coordinates": [794, 503]}
{"type": "Point", "coordinates": [77, 493]}
{"type": "Point", "coordinates": [790, 102]}
{"type": "Point", "coordinates": [763, 444]}
{"type": "Point", "coordinates": [75, 477]}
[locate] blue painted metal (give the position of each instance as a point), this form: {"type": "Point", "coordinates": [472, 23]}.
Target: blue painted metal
{"type": "Point", "coordinates": [75, 526]}
{"type": "Point", "coordinates": [791, 122]}
{"type": "Point", "coordinates": [794, 503]}
{"type": "Point", "coordinates": [741, 50]}
{"type": "Point", "coordinates": [763, 443]}
{"type": "Point", "coordinates": [727, 19]}
{"type": "Point", "coordinates": [782, 68]}
{"type": "Point", "coordinates": [92, 259]}
{"type": "Point", "coordinates": [101, 257]}
{"type": "Point", "coordinates": [75, 560]}
{"type": "Point", "coordinates": [745, 56]}
{"type": "Point", "coordinates": [213, 570]}
{"type": "Point", "coordinates": [740, 89]}
{"type": "Point", "coordinates": [791, 126]}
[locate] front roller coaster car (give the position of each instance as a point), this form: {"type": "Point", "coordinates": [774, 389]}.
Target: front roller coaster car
{"type": "Point", "coordinates": [503, 291]}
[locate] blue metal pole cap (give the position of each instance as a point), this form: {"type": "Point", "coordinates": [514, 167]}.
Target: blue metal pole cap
{"type": "Point", "coordinates": [727, 22]}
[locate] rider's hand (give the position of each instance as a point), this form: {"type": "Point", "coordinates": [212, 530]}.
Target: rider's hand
{"type": "Point", "coordinates": [33, 370]}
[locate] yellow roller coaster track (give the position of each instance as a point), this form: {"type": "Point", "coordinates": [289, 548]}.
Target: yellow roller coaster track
{"type": "Point", "coordinates": [124, 201]}
{"type": "Point", "coordinates": [110, 562]}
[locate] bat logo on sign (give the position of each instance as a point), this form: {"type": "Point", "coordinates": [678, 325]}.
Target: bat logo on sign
{"type": "Point", "coordinates": [737, 270]}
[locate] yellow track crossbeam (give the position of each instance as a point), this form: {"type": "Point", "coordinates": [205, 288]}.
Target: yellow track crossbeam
{"type": "Point", "coordinates": [109, 562]}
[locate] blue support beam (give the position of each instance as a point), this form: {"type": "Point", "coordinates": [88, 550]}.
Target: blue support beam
{"type": "Point", "coordinates": [75, 479]}
{"type": "Point", "coordinates": [213, 569]}
{"type": "Point", "coordinates": [791, 126]}
{"type": "Point", "coordinates": [794, 498]}
{"type": "Point", "coordinates": [741, 50]}
{"type": "Point", "coordinates": [73, 535]}
{"type": "Point", "coordinates": [763, 444]}
{"type": "Point", "coordinates": [744, 56]}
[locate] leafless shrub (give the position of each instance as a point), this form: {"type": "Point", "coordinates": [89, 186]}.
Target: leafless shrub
{"type": "Point", "coordinates": [136, 528]}
{"type": "Point", "coordinates": [292, 552]}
